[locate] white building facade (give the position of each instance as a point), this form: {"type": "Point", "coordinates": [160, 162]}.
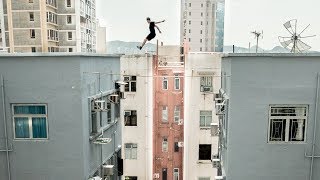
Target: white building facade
{"type": "Point", "coordinates": [202, 25]}
{"type": "Point", "coordinates": [137, 117]}
{"type": "Point", "coordinates": [202, 81]}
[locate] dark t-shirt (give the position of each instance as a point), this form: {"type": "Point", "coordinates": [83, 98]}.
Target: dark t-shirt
{"type": "Point", "coordinates": [151, 27]}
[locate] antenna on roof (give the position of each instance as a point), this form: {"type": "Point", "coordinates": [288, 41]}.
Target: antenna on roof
{"type": "Point", "coordinates": [294, 43]}
{"type": "Point", "coordinates": [257, 36]}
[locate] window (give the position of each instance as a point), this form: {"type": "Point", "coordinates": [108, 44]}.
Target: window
{"type": "Point", "coordinates": [33, 49]}
{"type": "Point", "coordinates": [32, 33]}
{"type": "Point", "coordinates": [201, 40]}
{"type": "Point", "coordinates": [176, 146]}
{"type": "Point", "coordinates": [164, 173]}
{"type": "Point", "coordinates": [30, 121]}
{"type": "Point", "coordinates": [68, 3]}
{"type": "Point", "coordinates": [189, 39]}
{"type": "Point", "coordinates": [189, 13]}
{"type": "Point", "coordinates": [30, 1]}
{"type": "Point", "coordinates": [201, 5]}
{"type": "Point", "coordinates": [131, 85]}
{"type": "Point", "coordinates": [131, 151]}
{"type": "Point", "coordinates": [52, 2]}
{"type": "Point", "coordinates": [131, 178]}
{"type": "Point", "coordinates": [130, 118]}
{"type": "Point", "coordinates": [69, 35]}
{"type": "Point", "coordinates": [287, 123]}
{"type": "Point", "coordinates": [176, 114]}
{"type": "Point", "coordinates": [109, 118]}
{"type": "Point", "coordinates": [201, 23]}
{"type": "Point", "coordinates": [52, 17]}
{"type": "Point", "coordinates": [200, 31]}
{"type": "Point", "coordinates": [31, 16]}
{"type": "Point", "coordinates": [165, 83]}
{"type": "Point", "coordinates": [206, 84]}
{"type": "Point", "coordinates": [189, 30]}
{"type": "Point", "coordinates": [189, 4]}
{"type": "Point", "coordinates": [201, 49]}
{"type": "Point", "coordinates": [164, 114]}
{"type": "Point", "coordinates": [69, 19]}
{"type": "Point", "coordinates": [205, 118]}
{"type": "Point", "coordinates": [176, 174]}
{"type": "Point", "coordinates": [204, 151]}
{"type": "Point", "coordinates": [189, 22]}
{"type": "Point", "coordinates": [176, 83]}
{"type": "Point", "coordinates": [52, 35]}
{"type": "Point", "coordinates": [70, 49]}
{"type": "Point", "coordinates": [165, 144]}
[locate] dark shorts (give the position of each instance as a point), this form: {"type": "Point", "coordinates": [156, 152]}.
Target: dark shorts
{"type": "Point", "coordinates": [151, 36]}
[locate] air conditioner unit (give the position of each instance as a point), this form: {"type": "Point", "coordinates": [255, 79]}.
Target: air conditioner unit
{"type": "Point", "coordinates": [207, 89]}
{"type": "Point", "coordinates": [218, 97]}
{"type": "Point", "coordinates": [220, 178]}
{"type": "Point", "coordinates": [214, 129]}
{"type": "Point", "coordinates": [98, 105]}
{"type": "Point", "coordinates": [180, 122]}
{"type": "Point", "coordinates": [180, 144]}
{"type": "Point", "coordinates": [215, 163]}
{"type": "Point", "coordinates": [121, 84]}
{"type": "Point", "coordinates": [156, 175]}
{"type": "Point", "coordinates": [102, 141]}
{"type": "Point", "coordinates": [95, 178]}
{"type": "Point", "coordinates": [114, 98]}
{"type": "Point", "coordinates": [126, 78]}
{"type": "Point", "coordinates": [108, 170]}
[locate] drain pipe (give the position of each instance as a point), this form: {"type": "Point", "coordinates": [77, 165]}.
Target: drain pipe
{"type": "Point", "coordinates": [314, 129]}
{"type": "Point", "coordinates": [5, 128]}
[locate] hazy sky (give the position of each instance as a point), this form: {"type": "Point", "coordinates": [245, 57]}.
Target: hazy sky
{"type": "Point", "coordinates": [125, 20]}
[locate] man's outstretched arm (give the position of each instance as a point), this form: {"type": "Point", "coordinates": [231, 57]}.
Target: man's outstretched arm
{"type": "Point", "coordinates": [160, 22]}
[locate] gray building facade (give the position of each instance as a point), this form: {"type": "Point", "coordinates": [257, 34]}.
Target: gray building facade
{"type": "Point", "coordinates": [50, 125]}
{"type": "Point", "coordinates": [269, 122]}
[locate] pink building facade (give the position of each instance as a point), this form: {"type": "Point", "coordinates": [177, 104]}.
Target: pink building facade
{"type": "Point", "coordinates": [168, 115]}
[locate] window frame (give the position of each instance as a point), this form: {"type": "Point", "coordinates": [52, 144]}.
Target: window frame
{"type": "Point", "coordinates": [31, 16]}
{"type": "Point", "coordinates": [210, 154]}
{"type": "Point", "coordinates": [177, 109]}
{"type": "Point", "coordinates": [175, 87]}
{"type": "Point", "coordinates": [32, 33]}
{"type": "Point", "coordinates": [130, 83]}
{"type": "Point", "coordinates": [162, 114]}
{"type": "Point", "coordinates": [205, 85]}
{"type": "Point", "coordinates": [288, 120]}
{"type": "Point", "coordinates": [68, 38]}
{"type": "Point", "coordinates": [174, 173]}
{"type": "Point", "coordinates": [30, 116]}
{"type": "Point", "coordinates": [205, 119]}
{"type": "Point", "coordinates": [165, 79]}
{"type": "Point", "coordinates": [132, 147]}
{"type": "Point", "coordinates": [165, 144]}
{"type": "Point", "coordinates": [130, 123]}
{"type": "Point", "coordinates": [69, 17]}
{"type": "Point", "coordinates": [68, 5]}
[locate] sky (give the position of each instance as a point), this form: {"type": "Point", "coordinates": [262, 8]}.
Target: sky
{"type": "Point", "coordinates": [125, 20]}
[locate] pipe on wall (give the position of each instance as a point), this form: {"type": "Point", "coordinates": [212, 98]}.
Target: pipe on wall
{"type": "Point", "coordinates": [5, 128]}
{"type": "Point", "coordinates": [314, 129]}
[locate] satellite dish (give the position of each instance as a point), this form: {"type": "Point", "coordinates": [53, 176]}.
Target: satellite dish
{"type": "Point", "coordinates": [294, 43]}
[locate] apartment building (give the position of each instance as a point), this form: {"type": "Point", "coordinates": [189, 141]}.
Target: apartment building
{"type": "Point", "coordinates": [269, 122]}
{"type": "Point", "coordinates": [137, 116]}
{"type": "Point", "coordinates": [50, 25]}
{"type": "Point", "coordinates": [168, 120]}
{"type": "Point", "coordinates": [202, 25]}
{"type": "Point", "coordinates": [59, 124]}
{"type": "Point", "coordinates": [202, 82]}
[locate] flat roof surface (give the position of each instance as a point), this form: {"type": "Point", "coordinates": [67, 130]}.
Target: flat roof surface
{"type": "Point", "coordinates": [58, 55]}
{"type": "Point", "coordinates": [271, 55]}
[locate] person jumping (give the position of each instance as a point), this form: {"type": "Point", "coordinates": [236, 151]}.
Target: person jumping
{"type": "Point", "coordinates": [152, 31]}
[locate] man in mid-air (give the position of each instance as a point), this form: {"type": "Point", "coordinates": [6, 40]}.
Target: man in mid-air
{"type": "Point", "coordinates": [152, 34]}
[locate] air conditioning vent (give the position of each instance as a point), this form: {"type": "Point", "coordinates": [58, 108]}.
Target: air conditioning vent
{"type": "Point", "coordinates": [215, 163]}
{"type": "Point", "coordinates": [207, 89]}
{"type": "Point", "coordinates": [214, 129]}
{"type": "Point", "coordinates": [180, 144]}
{"type": "Point", "coordinates": [220, 178]}
{"type": "Point", "coordinates": [98, 105]}
{"type": "Point", "coordinates": [180, 122]}
{"type": "Point", "coordinates": [108, 170]}
{"type": "Point", "coordinates": [156, 175]}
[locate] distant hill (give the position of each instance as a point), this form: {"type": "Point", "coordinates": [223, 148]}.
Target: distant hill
{"type": "Point", "coordinates": [122, 47]}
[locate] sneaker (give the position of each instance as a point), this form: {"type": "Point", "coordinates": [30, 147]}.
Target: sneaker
{"type": "Point", "coordinates": [139, 47]}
